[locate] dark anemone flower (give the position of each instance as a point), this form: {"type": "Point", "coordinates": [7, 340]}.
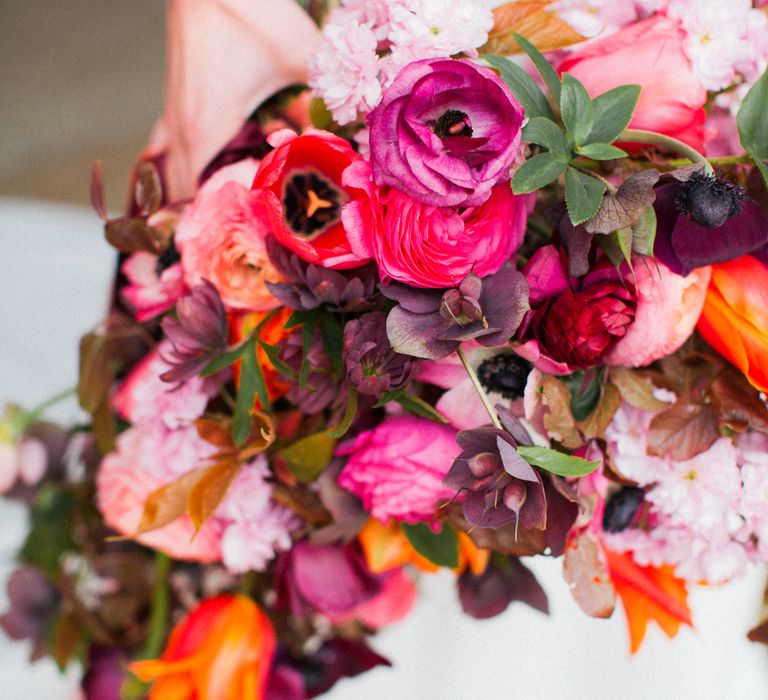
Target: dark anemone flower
{"type": "Point", "coordinates": [705, 220]}
{"type": "Point", "coordinates": [197, 335]}
{"type": "Point", "coordinates": [499, 485]}
{"type": "Point", "coordinates": [372, 366]}
{"type": "Point", "coordinates": [431, 324]}
{"type": "Point", "coordinates": [308, 286]}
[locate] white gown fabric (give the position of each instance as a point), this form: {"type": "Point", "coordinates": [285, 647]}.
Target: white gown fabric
{"type": "Point", "coordinates": [55, 273]}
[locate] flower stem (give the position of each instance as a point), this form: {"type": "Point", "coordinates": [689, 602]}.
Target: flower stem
{"type": "Point", "coordinates": [159, 616]}
{"type": "Point", "coordinates": [479, 388]}
{"type": "Point", "coordinates": [651, 137]}
{"type": "Point", "coordinates": [38, 411]}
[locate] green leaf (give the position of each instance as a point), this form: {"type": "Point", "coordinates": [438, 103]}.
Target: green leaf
{"type": "Point", "coordinates": [644, 233]}
{"type": "Point", "coordinates": [441, 548]}
{"type": "Point", "coordinates": [546, 71]}
{"type": "Point", "coordinates": [348, 418]}
{"type": "Point", "coordinates": [307, 457]}
{"type": "Point", "coordinates": [576, 109]}
{"type": "Point", "coordinates": [557, 462]}
{"type": "Point", "coordinates": [246, 391]}
{"type": "Point", "coordinates": [623, 238]}
{"type": "Point", "coordinates": [273, 353]}
{"type": "Point", "coordinates": [390, 396]}
{"type": "Point", "coordinates": [583, 194]}
{"type": "Point", "coordinates": [546, 133]}
{"type": "Point", "coordinates": [307, 335]}
{"type": "Point", "coordinates": [537, 172]}
{"type": "Point", "coordinates": [51, 528]}
{"type": "Point", "coordinates": [613, 111]}
{"type": "Point", "coordinates": [762, 167]}
{"type": "Point", "coordinates": [752, 122]}
{"type": "Point", "coordinates": [419, 407]}
{"type": "Point", "coordinates": [299, 317]}
{"type": "Point", "coordinates": [601, 151]}
{"type": "Point", "coordinates": [224, 360]}
{"type": "Point", "coordinates": [319, 115]}
{"type": "Point", "coordinates": [522, 86]}
{"type": "Point", "coordinates": [585, 392]}
{"type": "Point", "coordinates": [333, 339]}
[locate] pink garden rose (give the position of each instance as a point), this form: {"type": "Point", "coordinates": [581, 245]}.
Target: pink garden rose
{"type": "Point", "coordinates": [221, 239]}
{"type": "Point", "coordinates": [446, 131]}
{"type": "Point", "coordinates": [397, 468]}
{"type": "Point", "coordinates": [225, 57]}
{"type": "Point", "coordinates": [426, 245]}
{"type": "Point", "coordinates": [651, 54]}
{"type": "Point", "coordinates": [668, 307]}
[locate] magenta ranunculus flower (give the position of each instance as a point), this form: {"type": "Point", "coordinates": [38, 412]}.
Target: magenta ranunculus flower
{"type": "Point", "coordinates": [446, 131]}
{"type": "Point", "coordinates": [397, 468]}
{"type": "Point", "coordinates": [430, 246]}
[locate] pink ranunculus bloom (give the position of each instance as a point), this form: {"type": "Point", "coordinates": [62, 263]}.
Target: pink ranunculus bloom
{"type": "Point", "coordinates": [445, 132]}
{"type": "Point", "coordinates": [397, 468]}
{"type": "Point", "coordinates": [300, 184]}
{"type": "Point", "coordinates": [150, 292]}
{"type": "Point", "coordinates": [668, 307]}
{"type": "Point", "coordinates": [144, 397]}
{"type": "Point", "coordinates": [225, 57]}
{"type": "Point", "coordinates": [651, 54]}
{"type": "Point", "coordinates": [573, 323]}
{"type": "Point", "coordinates": [430, 246]}
{"type": "Point", "coordinates": [221, 239]}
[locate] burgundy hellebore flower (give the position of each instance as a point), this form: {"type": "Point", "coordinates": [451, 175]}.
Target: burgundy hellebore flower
{"type": "Point", "coordinates": [499, 485]}
{"type": "Point", "coordinates": [322, 385]}
{"type": "Point", "coordinates": [446, 131]}
{"type": "Point", "coordinates": [706, 220]}
{"type": "Point", "coordinates": [573, 323]}
{"type": "Point", "coordinates": [198, 334]}
{"type": "Point", "coordinates": [373, 367]}
{"type": "Point", "coordinates": [431, 324]}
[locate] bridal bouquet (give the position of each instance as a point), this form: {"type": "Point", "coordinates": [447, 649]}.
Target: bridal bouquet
{"type": "Point", "coordinates": [430, 288]}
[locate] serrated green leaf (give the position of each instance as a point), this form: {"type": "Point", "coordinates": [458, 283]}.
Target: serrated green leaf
{"type": "Point", "coordinates": [419, 407]}
{"type": "Point", "coordinates": [644, 233]}
{"type": "Point", "coordinates": [546, 133]}
{"type": "Point", "coordinates": [522, 86]}
{"type": "Point", "coordinates": [583, 194]}
{"type": "Point", "coordinates": [752, 122]}
{"type": "Point", "coordinates": [576, 109]}
{"type": "Point", "coordinates": [348, 418]}
{"type": "Point", "coordinates": [556, 462]}
{"type": "Point", "coordinates": [601, 151]}
{"type": "Point", "coordinates": [613, 111]}
{"type": "Point", "coordinates": [224, 360]}
{"type": "Point", "coordinates": [546, 71]}
{"type": "Point", "coordinates": [251, 384]}
{"type": "Point", "coordinates": [537, 172]}
{"type": "Point", "coordinates": [307, 457]}
{"type": "Point", "coordinates": [299, 317]}
{"type": "Point", "coordinates": [441, 548]}
{"type": "Point", "coordinates": [273, 353]}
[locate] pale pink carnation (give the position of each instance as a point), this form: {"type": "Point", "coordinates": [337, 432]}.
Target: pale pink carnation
{"type": "Point", "coordinates": [668, 307]}
{"type": "Point", "coordinates": [374, 13]}
{"type": "Point", "coordinates": [753, 459]}
{"type": "Point", "coordinates": [221, 236]}
{"type": "Point", "coordinates": [144, 397]}
{"type": "Point", "coordinates": [591, 18]}
{"type": "Point", "coordinates": [397, 468]}
{"type": "Point", "coordinates": [148, 293]}
{"type": "Point", "coordinates": [344, 69]}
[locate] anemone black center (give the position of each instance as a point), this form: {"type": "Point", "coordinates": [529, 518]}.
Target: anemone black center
{"type": "Point", "coordinates": [709, 200]}
{"type": "Point", "coordinates": [452, 123]}
{"type": "Point", "coordinates": [311, 203]}
{"type": "Point", "coordinates": [505, 374]}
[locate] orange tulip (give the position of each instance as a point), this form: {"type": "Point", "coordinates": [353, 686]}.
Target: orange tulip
{"type": "Point", "coordinates": [735, 316]}
{"type": "Point", "coordinates": [222, 650]}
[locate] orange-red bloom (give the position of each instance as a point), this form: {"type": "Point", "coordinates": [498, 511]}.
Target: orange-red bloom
{"type": "Point", "coordinates": [735, 316]}
{"type": "Point", "coordinates": [222, 650]}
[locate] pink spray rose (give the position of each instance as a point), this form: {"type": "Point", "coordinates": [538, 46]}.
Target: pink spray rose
{"type": "Point", "coordinates": [446, 131]}
{"type": "Point", "coordinates": [397, 468]}
{"type": "Point", "coordinates": [426, 245]}
{"type": "Point", "coordinates": [668, 307]}
{"type": "Point", "coordinates": [225, 57]}
{"type": "Point", "coordinates": [221, 239]}
{"type": "Point", "coordinates": [651, 54]}
{"type": "Point", "coordinates": [573, 323]}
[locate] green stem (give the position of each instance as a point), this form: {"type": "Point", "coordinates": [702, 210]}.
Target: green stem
{"type": "Point", "coordinates": [38, 411]}
{"type": "Point", "coordinates": [159, 615]}
{"type": "Point", "coordinates": [719, 160]}
{"type": "Point", "coordinates": [651, 137]}
{"type": "Point", "coordinates": [479, 388]}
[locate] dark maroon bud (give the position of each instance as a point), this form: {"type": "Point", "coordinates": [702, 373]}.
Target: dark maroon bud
{"type": "Point", "coordinates": [709, 200]}
{"type": "Point", "coordinates": [621, 508]}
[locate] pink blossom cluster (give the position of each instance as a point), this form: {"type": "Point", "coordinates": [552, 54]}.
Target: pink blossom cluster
{"type": "Point", "coordinates": [367, 42]}
{"type": "Point", "coordinates": [163, 444]}
{"type": "Point", "coordinates": [707, 514]}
